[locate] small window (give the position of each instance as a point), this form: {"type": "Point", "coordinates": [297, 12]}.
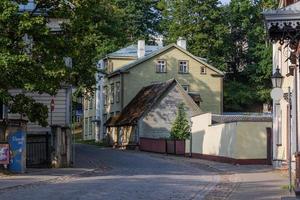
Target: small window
{"type": "Point", "coordinates": [186, 88]}
{"type": "Point", "coordinates": [105, 95]}
{"type": "Point", "coordinates": [86, 126]}
{"type": "Point", "coordinates": [118, 92]}
{"type": "Point", "coordinates": [91, 101]}
{"type": "Point", "coordinates": [183, 66]}
{"type": "Point", "coordinates": [118, 112]}
{"type": "Point", "coordinates": [161, 66]}
{"type": "Point", "coordinates": [90, 126]}
{"type": "Point", "coordinates": [203, 70]}
{"type": "Point", "coordinates": [112, 93]}
{"type": "Point", "coordinates": [111, 114]}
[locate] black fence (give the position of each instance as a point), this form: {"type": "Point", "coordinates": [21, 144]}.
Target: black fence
{"type": "Point", "coordinates": [38, 150]}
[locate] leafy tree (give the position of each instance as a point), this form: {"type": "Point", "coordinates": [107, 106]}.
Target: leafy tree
{"type": "Point", "coordinates": [180, 129]}
{"type": "Point", "coordinates": [201, 23]}
{"type": "Point", "coordinates": [36, 64]}
{"type": "Point", "coordinates": [141, 18]}
{"type": "Point", "coordinates": [249, 56]}
{"type": "Point", "coordinates": [232, 37]}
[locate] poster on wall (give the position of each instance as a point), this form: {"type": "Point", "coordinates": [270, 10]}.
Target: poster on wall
{"type": "Point", "coordinates": [17, 142]}
{"type": "Point", "coordinates": [4, 154]}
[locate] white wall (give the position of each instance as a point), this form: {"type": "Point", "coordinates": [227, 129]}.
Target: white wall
{"type": "Point", "coordinates": [238, 140]}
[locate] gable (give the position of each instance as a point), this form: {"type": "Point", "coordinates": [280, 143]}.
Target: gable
{"type": "Point", "coordinates": [172, 56]}
{"type": "Point", "coordinates": [163, 51]}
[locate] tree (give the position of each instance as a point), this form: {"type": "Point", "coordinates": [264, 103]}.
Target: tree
{"type": "Point", "coordinates": [232, 38]}
{"type": "Point", "coordinates": [201, 23]}
{"type": "Point", "coordinates": [180, 128]}
{"type": "Point", "coordinates": [36, 64]}
{"type": "Point", "coordinates": [140, 17]}
{"type": "Point", "coordinates": [249, 70]}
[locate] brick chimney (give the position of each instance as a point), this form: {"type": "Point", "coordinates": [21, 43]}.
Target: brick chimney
{"type": "Point", "coordinates": [141, 48]}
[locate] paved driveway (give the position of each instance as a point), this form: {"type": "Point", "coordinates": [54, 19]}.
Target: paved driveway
{"type": "Point", "coordinates": [125, 175]}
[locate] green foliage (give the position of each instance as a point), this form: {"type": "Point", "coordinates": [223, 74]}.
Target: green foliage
{"type": "Point", "coordinates": [141, 18]}
{"type": "Point", "coordinates": [91, 29]}
{"type": "Point", "coordinates": [233, 39]}
{"type": "Point", "coordinates": [180, 128]}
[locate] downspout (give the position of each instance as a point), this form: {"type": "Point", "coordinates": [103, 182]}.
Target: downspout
{"type": "Point", "coordinates": [296, 103]}
{"type": "Point", "coordinates": [122, 89]}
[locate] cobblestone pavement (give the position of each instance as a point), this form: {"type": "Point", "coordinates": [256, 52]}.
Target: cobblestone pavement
{"type": "Point", "coordinates": [117, 174]}
{"type": "Point", "coordinates": [132, 175]}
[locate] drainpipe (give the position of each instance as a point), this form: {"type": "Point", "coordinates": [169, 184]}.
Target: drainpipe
{"type": "Point", "coordinates": [191, 140]}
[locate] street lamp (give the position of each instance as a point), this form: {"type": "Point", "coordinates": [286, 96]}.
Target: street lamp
{"type": "Point", "coordinates": [277, 79]}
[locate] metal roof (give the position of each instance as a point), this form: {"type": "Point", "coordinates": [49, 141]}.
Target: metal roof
{"type": "Point", "coordinates": [131, 51]}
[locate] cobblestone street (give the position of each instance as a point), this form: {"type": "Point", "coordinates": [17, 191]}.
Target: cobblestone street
{"type": "Point", "coordinates": [128, 175]}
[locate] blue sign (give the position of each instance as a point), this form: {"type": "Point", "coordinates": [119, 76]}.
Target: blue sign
{"type": "Point", "coordinates": [17, 142]}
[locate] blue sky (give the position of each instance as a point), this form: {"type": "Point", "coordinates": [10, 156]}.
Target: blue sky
{"type": "Point", "coordinates": [225, 1]}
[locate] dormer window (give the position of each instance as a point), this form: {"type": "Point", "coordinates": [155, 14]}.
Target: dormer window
{"type": "Point", "coordinates": [202, 70]}
{"type": "Point", "coordinates": [183, 66]}
{"type": "Point", "coordinates": [186, 88]}
{"type": "Point", "coordinates": [161, 66]}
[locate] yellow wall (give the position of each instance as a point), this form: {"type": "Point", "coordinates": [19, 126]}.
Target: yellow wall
{"type": "Point", "coordinates": [120, 62]}
{"type": "Point", "coordinates": [238, 140]}
{"type": "Point", "coordinates": [116, 106]}
{"type": "Point", "coordinates": [209, 87]}
{"type": "Point", "coordinates": [251, 140]}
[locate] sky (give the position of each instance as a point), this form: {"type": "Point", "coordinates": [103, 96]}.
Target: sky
{"type": "Point", "coordinates": [225, 1]}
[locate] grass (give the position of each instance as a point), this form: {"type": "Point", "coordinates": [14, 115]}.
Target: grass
{"type": "Point", "coordinates": [287, 187]}
{"type": "Point", "coordinates": [79, 140]}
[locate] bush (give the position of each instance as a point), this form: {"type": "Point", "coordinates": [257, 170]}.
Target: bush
{"type": "Point", "coordinates": [180, 128]}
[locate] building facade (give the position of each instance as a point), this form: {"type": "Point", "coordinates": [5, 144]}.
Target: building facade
{"type": "Point", "coordinates": [283, 27]}
{"type": "Point", "coordinates": [132, 68]}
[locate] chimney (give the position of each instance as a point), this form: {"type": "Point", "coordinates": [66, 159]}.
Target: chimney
{"type": "Point", "coordinates": [181, 42]}
{"type": "Point", "coordinates": [141, 48]}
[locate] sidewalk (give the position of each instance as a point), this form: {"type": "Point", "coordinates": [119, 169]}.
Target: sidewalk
{"type": "Point", "coordinates": [38, 176]}
{"type": "Point", "coordinates": [250, 182]}
{"type": "Point", "coordinates": [247, 182]}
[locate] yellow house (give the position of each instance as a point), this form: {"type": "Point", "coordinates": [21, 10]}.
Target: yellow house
{"type": "Point", "coordinates": [132, 68]}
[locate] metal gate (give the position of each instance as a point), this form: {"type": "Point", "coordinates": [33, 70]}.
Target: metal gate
{"type": "Point", "coordinates": [38, 150]}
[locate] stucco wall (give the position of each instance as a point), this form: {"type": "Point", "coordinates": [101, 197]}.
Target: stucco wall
{"type": "Point", "coordinates": [120, 62]}
{"type": "Point", "coordinates": [209, 87]}
{"type": "Point", "coordinates": [237, 140]}
{"type": "Point", "coordinates": [158, 122]}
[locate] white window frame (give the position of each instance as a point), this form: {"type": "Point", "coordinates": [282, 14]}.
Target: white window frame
{"type": "Point", "coordinates": [183, 66]}
{"type": "Point", "coordinates": [161, 66]}
{"type": "Point", "coordinates": [186, 88]}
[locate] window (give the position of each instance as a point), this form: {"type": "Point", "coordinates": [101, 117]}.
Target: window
{"type": "Point", "coordinates": [186, 88]}
{"type": "Point", "coordinates": [161, 66]}
{"type": "Point", "coordinates": [118, 92]}
{"type": "Point", "coordinates": [112, 93]}
{"type": "Point", "coordinates": [90, 126]}
{"type": "Point", "coordinates": [91, 101]}
{"type": "Point", "coordinates": [202, 70]}
{"type": "Point", "coordinates": [105, 95]}
{"type": "Point", "coordinates": [86, 126]}
{"type": "Point", "coordinates": [183, 66]}
{"type": "Point", "coordinates": [111, 114]}
{"type": "Point", "coordinates": [118, 112]}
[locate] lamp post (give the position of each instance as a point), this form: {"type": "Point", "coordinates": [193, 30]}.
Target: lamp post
{"type": "Point", "coordinates": [277, 94]}
{"type": "Point", "coordinates": [277, 78]}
